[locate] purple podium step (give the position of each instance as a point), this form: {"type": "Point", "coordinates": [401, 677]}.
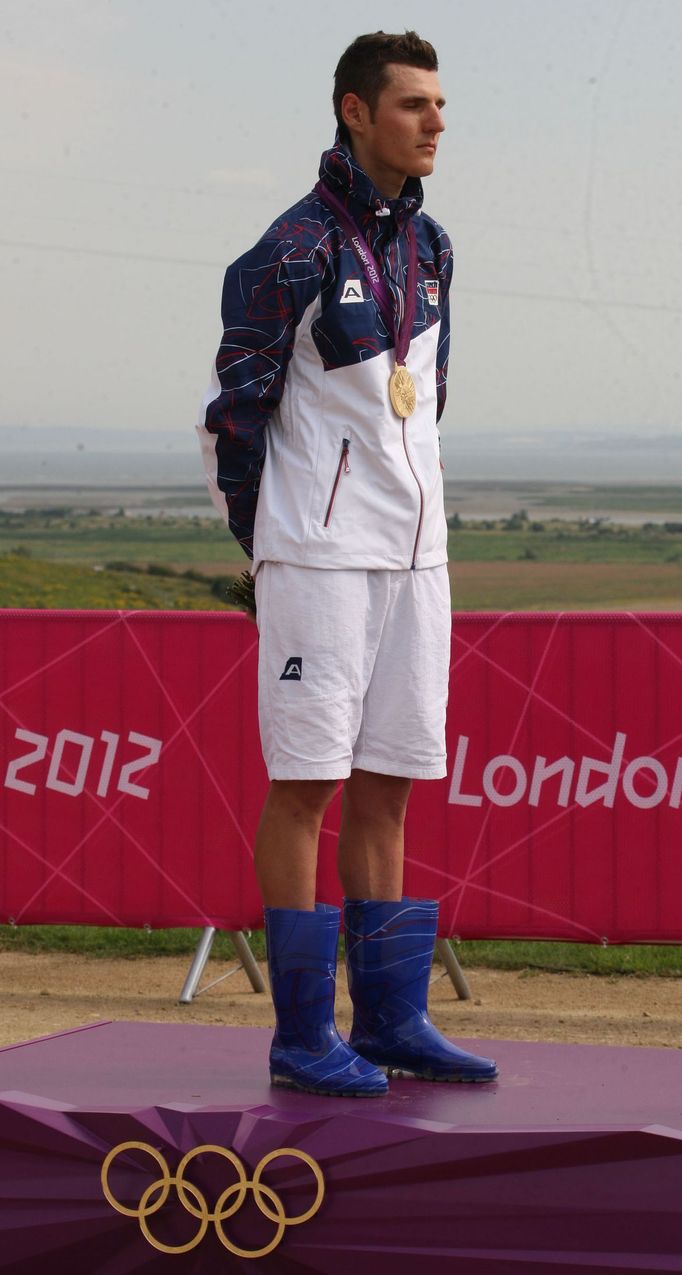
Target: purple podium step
{"type": "Point", "coordinates": [571, 1162]}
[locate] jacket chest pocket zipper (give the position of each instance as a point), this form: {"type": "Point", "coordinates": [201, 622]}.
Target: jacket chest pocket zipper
{"type": "Point", "coordinates": [343, 467]}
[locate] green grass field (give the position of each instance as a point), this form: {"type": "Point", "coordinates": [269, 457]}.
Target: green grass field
{"type": "Point", "coordinates": [96, 538]}
{"type": "Point", "coordinates": [567, 542]}
{"type": "Point", "coordinates": [61, 558]}
{"type": "Point", "coordinates": [578, 958]}
{"type": "Point", "coordinates": [64, 535]}
{"type": "Point", "coordinates": [30, 582]}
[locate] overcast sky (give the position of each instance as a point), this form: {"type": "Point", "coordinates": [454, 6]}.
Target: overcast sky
{"type": "Point", "coordinates": [145, 143]}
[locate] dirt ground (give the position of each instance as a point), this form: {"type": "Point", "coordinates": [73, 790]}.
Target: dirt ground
{"type": "Point", "coordinates": [49, 993]}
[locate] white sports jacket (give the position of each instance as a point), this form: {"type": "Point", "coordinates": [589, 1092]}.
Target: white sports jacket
{"type": "Point", "coordinates": [304, 454]}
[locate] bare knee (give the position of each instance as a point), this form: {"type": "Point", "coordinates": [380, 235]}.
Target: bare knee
{"type": "Point", "coordinates": [301, 800]}
{"type": "Point", "coordinates": [372, 798]}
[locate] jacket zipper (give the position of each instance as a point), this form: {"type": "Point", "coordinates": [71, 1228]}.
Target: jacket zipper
{"type": "Point", "coordinates": [421, 501]}
{"type": "Point", "coordinates": [343, 467]}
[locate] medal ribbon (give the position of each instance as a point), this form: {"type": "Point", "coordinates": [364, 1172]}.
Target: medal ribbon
{"type": "Point", "coordinates": [377, 284]}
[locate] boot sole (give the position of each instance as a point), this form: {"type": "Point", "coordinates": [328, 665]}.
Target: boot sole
{"type": "Point", "coordinates": [406, 1074]}
{"type": "Point", "coordinates": [283, 1082]}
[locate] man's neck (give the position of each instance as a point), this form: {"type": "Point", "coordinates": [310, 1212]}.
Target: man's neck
{"type": "Point", "coordinates": [387, 181]}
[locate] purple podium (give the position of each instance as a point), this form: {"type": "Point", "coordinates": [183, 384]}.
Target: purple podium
{"type": "Point", "coordinates": [137, 1147]}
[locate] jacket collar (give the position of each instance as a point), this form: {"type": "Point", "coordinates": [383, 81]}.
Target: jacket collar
{"type": "Point", "coordinates": [344, 176]}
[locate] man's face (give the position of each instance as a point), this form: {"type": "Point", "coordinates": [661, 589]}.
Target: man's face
{"type": "Point", "coordinates": [402, 135]}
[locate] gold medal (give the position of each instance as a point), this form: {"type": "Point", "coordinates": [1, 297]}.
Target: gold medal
{"type": "Point", "coordinates": [402, 392]}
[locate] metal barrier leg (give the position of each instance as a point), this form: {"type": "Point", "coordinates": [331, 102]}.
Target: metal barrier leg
{"type": "Point", "coordinates": [245, 960]}
{"type": "Point", "coordinates": [454, 969]}
{"type": "Point", "coordinates": [248, 960]}
{"type": "Point", "coordinates": [196, 969]}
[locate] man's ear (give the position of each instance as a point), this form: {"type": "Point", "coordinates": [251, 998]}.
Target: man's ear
{"type": "Point", "coordinates": [354, 112]}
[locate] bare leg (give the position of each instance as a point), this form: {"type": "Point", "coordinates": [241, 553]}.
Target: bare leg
{"type": "Point", "coordinates": [371, 841]}
{"type": "Point", "coordinates": [287, 840]}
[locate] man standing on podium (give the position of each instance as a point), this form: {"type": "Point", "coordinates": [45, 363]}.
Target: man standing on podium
{"type": "Point", "coordinates": [321, 447]}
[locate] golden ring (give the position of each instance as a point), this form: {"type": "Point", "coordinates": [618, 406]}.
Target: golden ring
{"type": "Point", "coordinates": [279, 1218]}
{"type": "Point", "coordinates": [166, 1180]}
{"type": "Point", "coordinates": [234, 1160]}
{"type": "Point", "coordinates": [175, 1248]}
{"type": "Point", "coordinates": [298, 1155]}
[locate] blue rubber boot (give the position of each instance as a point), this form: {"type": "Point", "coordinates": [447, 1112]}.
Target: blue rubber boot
{"type": "Point", "coordinates": [389, 951]}
{"type": "Point", "coordinates": [307, 1052]}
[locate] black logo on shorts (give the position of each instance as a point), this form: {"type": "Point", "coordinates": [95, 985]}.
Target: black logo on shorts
{"type": "Point", "coordinates": [293, 670]}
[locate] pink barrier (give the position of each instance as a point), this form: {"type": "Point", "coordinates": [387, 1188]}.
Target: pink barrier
{"type": "Point", "coordinates": [132, 775]}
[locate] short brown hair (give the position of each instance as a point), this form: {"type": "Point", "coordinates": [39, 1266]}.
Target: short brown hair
{"type": "Point", "coordinates": [362, 69]}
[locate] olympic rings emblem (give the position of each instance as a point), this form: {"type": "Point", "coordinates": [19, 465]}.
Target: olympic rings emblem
{"type": "Point", "coordinates": [194, 1201]}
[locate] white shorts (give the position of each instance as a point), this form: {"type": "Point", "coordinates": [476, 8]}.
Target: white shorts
{"type": "Point", "coordinates": [353, 671]}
